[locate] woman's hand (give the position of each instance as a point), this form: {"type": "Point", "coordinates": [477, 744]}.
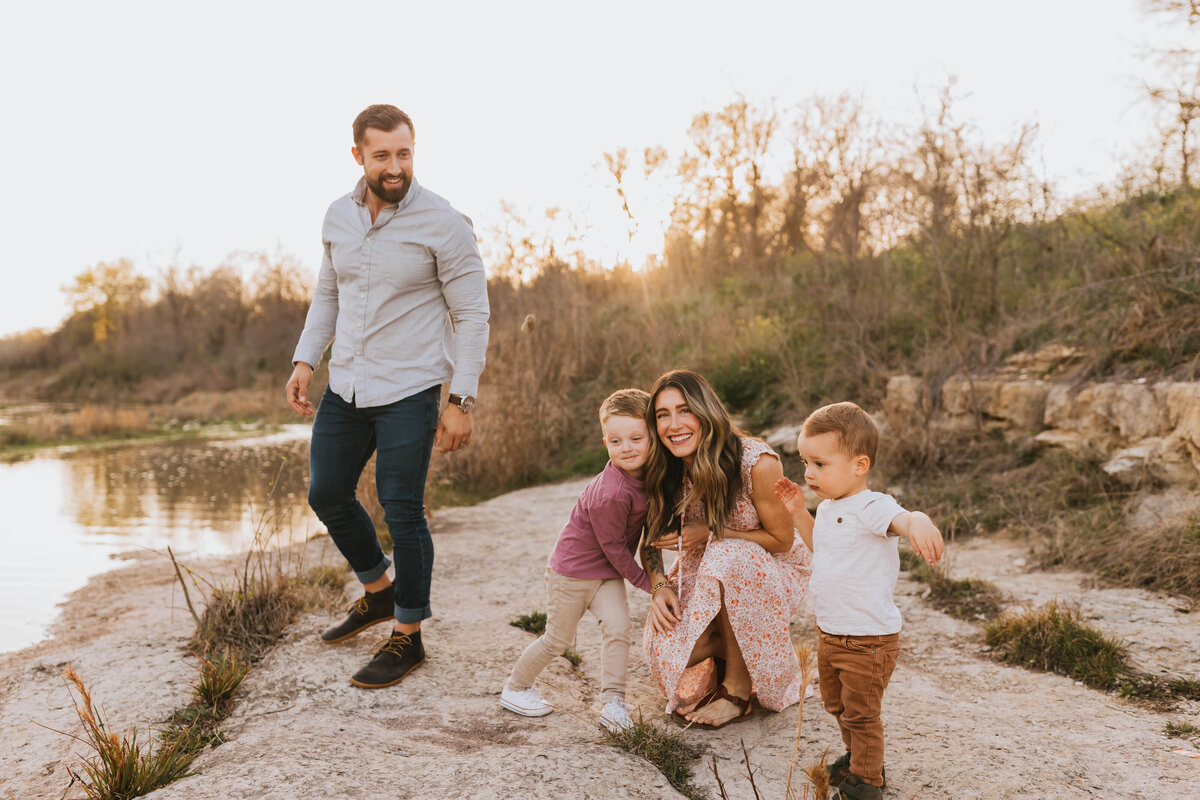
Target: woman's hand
{"type": "Point", "coordinates": [695, 536]}
{"type": "Point", "coordinates": [665, 612]}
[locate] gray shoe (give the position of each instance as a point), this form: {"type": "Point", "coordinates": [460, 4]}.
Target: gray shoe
{"type": "Point", "coordinates": [399, 655]}
{"type": "Point", "coordinates": [853, 788]}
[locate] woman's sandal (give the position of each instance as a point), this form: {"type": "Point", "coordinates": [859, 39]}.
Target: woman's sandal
{"type": "Point", "coordinates": [721, 693]}
{"type": "Point", "coordinates": [719, 668]}
{"type": "Point", "coordinates": [683, 721]}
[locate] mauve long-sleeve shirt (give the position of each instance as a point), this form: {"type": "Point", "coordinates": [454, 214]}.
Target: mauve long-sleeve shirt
{"type": "Point", "coordinates": [600, 538]}
{"type": "Point", "coordinates": [404, 299]}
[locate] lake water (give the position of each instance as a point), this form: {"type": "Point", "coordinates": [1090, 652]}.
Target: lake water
{"type": "Point", "coordinates": [67, 514]}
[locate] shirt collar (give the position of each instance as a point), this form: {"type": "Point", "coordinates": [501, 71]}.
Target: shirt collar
{"type": "Point", "coordinates": [359, 193]}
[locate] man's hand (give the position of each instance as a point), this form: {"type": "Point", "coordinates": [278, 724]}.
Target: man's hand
{"type": "Point", "coordinates": [453, 429]}
{"type": "Point", "coordinates": [297, 389]}
{"type": "Point", "coordinates": [664, 612]}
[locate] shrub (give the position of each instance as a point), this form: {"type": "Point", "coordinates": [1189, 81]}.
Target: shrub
{"type": "Point", "coordinates": [121, 768]}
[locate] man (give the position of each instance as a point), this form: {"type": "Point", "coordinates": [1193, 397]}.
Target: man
{"type": "Point", "coordinates": [402, 294]}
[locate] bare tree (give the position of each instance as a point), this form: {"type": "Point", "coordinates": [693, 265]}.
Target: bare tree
{"type": "Point", "coordinates": [1177, 98]}
{"type": "Point", "coordinates": [1187, 10]}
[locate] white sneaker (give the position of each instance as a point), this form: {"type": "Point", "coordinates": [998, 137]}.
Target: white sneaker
{"type": "Point", "coordinates": [527, 702]}
{"type": "Point", "coordinates": [615, 715]}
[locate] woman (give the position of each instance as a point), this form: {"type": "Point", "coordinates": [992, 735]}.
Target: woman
{"type": "Point", "coordinates": [726, 605]}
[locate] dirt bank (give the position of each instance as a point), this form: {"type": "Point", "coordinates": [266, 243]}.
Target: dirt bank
{"type": "Point", "coordinates": [959, 725]}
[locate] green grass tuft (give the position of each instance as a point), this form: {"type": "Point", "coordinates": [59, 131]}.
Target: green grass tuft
{"type": "Point", "coordinates": [668, 750]}
{"type": "Point", "coordinates": [120, 768]}
{"type": "Point", "coordinates": [533, 622]}
{"type": "Point", "coordinates": [1181, 730]}
{"type": "Point", "coordinates": [1054, 638]}
{"type": "Point", "coordinates": [220, 676]}
{"type": "Point", "coordinates": [573, 657]}
{"type": "Point", "coordinates": [964, 598]}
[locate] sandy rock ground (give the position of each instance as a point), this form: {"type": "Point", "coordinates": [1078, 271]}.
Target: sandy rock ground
{"type": "Point", "coordinates": [958, 724]}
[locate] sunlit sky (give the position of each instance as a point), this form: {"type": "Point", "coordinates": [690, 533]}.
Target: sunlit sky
{"type": "Point", "coordinates": [173, 133]}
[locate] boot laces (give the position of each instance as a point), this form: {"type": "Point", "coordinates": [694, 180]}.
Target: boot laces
{"type": "Point", "coordinates": [396, 644]}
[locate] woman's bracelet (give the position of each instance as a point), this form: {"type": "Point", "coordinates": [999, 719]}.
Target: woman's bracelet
{"type": "Point", "coordinates": [659, 585]}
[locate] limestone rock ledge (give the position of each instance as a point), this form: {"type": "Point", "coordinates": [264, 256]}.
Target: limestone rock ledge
{"type": "Point", "coordinates": [1138, 428]}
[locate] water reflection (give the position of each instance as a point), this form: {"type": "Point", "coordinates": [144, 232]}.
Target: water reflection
{"type": "Point", "coordinates": [68, 513]}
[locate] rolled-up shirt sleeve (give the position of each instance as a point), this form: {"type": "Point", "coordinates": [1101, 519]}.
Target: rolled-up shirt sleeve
{"type": "Point", "coordinates": [464, 285]}
{"type": "Point", "coordinates": [321, 321]}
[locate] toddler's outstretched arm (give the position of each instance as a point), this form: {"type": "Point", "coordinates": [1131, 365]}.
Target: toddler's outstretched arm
{"type": "Point", "coordinates": [921, 533]}
{"type": "Point", "coordinates": [793, 500]}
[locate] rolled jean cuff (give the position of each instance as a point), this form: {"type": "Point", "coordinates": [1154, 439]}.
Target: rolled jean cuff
{"type": "Point", "coordinates": [410, 615]}
{"type": "Point", "coordinates": [374, 573]}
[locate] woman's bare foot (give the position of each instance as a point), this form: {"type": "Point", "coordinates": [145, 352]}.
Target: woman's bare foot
{"type": "Point", "coordinates": [721, 709]}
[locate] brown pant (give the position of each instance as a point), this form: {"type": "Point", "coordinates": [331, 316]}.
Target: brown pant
{"type": "Point", "coordinates": [854, 672]}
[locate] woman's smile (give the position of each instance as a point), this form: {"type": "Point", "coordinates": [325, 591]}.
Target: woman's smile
{"type": "Point", "coordinates": [675, 423]}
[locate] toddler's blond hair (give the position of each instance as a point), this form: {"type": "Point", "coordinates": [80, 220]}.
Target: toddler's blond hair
{"type": "Point", "coordinates": [856, 431]}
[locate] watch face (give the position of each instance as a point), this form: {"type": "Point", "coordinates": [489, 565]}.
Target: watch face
{"type": "Point", "coordinates": [466, 404]}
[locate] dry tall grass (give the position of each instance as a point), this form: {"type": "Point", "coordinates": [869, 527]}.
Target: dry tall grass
{"type": "Point", "coordinates": [120, 768]}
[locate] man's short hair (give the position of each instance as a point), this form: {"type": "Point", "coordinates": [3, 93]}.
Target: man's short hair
{"type": "Point", "coordinates": [381, 117]}
{"type": "Point", "coordinates": [856, 431]}
{"type": "Point", "coordinates": [624, 403]}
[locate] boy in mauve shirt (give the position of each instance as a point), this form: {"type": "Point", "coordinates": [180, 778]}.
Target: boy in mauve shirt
{"type": "Point", "coordinates": [589, 565]}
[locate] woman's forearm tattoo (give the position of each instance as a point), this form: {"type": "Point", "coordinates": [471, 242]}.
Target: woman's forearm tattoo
{"type": "Point", "coordinates": [652, 560]}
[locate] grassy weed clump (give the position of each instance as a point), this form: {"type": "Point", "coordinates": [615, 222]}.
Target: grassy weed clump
{"type": "Point", "coordinates": [1055, 639]}
{"type": "Point", "coordinates": [1165, 558]}
{"type": "Point", "coordinates": [964, 598]}
{"type": "Point", "coordinates": [1181, 730]}
{"type": "Point", "coordinates": [120, 768]}
{"type": "Point", "coordinates": [533, 622]}
{"type": "Point", "coordinates": [668, 750]}
{"type": "Point", "coordinates": [220, 676]}
{"type": "Point", "coordinates": [572, 657]}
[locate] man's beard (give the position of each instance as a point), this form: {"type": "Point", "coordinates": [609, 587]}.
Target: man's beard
{"type": "Point", "coordinates": [390, 194]}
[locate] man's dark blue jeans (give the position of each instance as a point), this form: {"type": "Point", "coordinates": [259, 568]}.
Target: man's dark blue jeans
{"type": "Point", "coordinates": [401, 433]}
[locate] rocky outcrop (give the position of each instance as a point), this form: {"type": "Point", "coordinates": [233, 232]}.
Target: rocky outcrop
{"type": "Point", "coordinates": [1138, 428]}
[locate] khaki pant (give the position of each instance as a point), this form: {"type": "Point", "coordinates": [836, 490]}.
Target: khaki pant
{"type": "Point", "coordinates": [566, 601]}
{"type": "Point", "coordinates": [854, 672]}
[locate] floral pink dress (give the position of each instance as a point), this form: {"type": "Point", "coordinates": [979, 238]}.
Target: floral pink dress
{"type": "Point", "coordinates": [762, 592]}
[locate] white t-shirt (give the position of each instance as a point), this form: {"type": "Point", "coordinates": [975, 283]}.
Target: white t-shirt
{"type": "Point", "coordinates": [855, 565]}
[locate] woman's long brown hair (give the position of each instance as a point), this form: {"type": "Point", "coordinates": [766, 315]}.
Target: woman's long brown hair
{"type": "Point", "coordinates": [716, 467]}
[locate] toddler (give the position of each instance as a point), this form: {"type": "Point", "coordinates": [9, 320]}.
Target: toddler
{"type": "Point", "coordinates": [854, 570]}
{"type": "Point", "coordinates": [589, 565]}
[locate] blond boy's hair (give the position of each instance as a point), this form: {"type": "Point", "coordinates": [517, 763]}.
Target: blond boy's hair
{"type": "Point", "coordinates": [624, 403]}
{"type": "Point", "coordinates": [856, 431]}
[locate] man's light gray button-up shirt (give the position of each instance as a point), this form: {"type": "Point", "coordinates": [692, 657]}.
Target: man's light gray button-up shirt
{"type": "Point", "coordinates": [404, 300]}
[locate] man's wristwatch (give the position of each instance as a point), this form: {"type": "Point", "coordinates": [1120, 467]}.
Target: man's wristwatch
{"type": "Point", "coordinates": [464, 402]}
